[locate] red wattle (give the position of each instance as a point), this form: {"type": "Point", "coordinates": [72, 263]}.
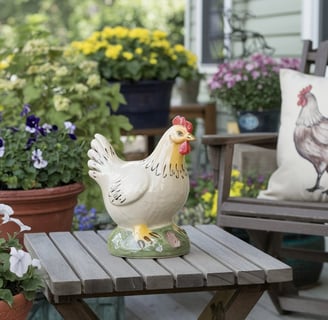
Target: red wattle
{"type": "Point", "coordinates": [184, 148]}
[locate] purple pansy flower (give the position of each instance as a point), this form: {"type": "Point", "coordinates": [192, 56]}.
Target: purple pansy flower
{"type": "Point", "coordinates": [26, 110]}
{"type": "Point", "coordinates": [70, 129]}
{"type": "Point", "coordinates": [32, 123]}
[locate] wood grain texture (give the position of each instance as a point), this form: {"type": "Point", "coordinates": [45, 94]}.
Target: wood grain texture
{"type": "Point", "coordinates": [124, 276]}
{"type": "Point", "coordinates": [245, 271]}
{"type": "Point", "coordinates": [93, 277]}
{"type": "Point", "coordinates": [59, 276]}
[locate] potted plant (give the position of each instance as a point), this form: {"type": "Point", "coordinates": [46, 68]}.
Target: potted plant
{"type": "Point", "coordinates": [19, 277]}
{"type": "Point", "coordinates": [145, 63]}
{"type": "Point", "coordinates": [251, 88]}
{"type": "Point", "coordinates": [40, 172]}
{"type": "Point", "coordinates": [188, 86]}
{"type": "Point", "coordinates": [61, 85]}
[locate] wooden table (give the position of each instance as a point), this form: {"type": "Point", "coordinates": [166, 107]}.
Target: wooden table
{"type": "Point", "coordinates": [78, 265]}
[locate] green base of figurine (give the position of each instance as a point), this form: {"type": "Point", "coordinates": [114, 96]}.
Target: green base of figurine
{"type": "Point", "coordinates": [164, 242]}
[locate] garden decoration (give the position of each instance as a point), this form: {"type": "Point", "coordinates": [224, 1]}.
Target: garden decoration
{"type": "Point", "coordinates": [19, 277]}
{"type": "Point", "coordinates": [143, 196]}
{"type": "Point", "coordinates": [145, 64]}
{"type": "Point", "coordinates": [40, 172]}
{"type": "Point", "coordinates": [251, 87]}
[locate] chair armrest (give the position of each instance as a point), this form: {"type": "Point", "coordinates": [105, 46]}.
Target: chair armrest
{"type": "Point", "coordinates": [266, 140]}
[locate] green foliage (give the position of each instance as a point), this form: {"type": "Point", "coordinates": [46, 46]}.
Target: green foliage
{"type": "Point", "coordinates": [20, 170]}
{"type": "Point", "coordinates": [12, 284]}
{"type": "Point", "coordinates": [60, 85]}
{"type": "Point", "coordinates": [74, 19]}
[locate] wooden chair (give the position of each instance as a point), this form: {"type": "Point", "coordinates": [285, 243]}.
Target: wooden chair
{"type": "Point", "coordinates": [266, 220]}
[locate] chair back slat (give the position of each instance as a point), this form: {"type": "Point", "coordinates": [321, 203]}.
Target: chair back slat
{"type": "Point", "coordinates": [317, 57]}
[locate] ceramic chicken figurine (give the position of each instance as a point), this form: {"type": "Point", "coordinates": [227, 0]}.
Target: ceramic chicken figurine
{"type": "Point", "coordinates": [143, 196]}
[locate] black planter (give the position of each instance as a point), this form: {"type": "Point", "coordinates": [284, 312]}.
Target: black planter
{"type": "Point", "coordinates": [305, 273]}
{"type": "Point", "coordinates": [258, 121]}
{"type": "Point", "coordinates": [148, 103]}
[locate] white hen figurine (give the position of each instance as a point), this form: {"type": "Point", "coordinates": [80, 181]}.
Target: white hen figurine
{"type": "Point", "coordinates": [143, 196]}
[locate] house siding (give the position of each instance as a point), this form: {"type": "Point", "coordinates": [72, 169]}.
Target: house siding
{"type": "Point", "coordinates": [279, 21]}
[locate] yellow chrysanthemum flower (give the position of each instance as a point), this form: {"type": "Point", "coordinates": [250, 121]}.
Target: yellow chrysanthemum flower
{"type": "Point", "coordinates": [179, 48]}
{"type": "Point", "coordinates": [127, 55]}
{"type": "Point", "coordinates": [107, 32]}
{"type": "Point", "coordinates": [143, 35]}
{"type": "Point", "coordinates": [121, 32]}
{"type": "Point", "coordinates": [112, 47]}
{"type": "Point", "coordinates": [113, 51]}
{"type": "Point", "coordinates": [159, 35]}
{"type": "Point", "coordinates": [153, 61]}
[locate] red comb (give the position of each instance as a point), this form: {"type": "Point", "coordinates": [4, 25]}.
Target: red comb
{"type": "Point", "coordinates": [301, 96]}
{"type": "Point", "coordinates": [178, 120]}
{"type": "Point", "coordinates": [305, 90]}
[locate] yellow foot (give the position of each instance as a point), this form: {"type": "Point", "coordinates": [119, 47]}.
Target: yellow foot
{"type": "Point", "coordinates": [143, 234]}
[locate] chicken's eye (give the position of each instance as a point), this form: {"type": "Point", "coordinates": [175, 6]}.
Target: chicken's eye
{"type": "Point", "coordinates": [179, 133]}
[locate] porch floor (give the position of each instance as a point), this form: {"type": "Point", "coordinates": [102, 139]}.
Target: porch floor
{"type": "Point", "coordinates": [189, 305]}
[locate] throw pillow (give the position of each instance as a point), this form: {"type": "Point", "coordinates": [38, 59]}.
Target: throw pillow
{"type": "Point", "coordinates": [302, 150]}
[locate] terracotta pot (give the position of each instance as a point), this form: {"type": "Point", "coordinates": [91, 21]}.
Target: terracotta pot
{"type": "Point", "coordinates": [18, 311]}
{"type": "Point", "coordinates": [44, 210]}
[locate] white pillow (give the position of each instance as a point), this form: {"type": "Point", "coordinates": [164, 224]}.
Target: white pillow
{"type": "Point", "coordinates": [295, 174]}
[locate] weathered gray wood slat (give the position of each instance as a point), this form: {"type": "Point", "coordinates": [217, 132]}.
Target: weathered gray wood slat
{"type": "Point", "coordinates": [155, 276]}
{"type": "Point", "coordinates": [275, 225]}
{"type": "Point", "coordinates": [185, 275]}
{"type": "Point", "coordinates": [265, 209]}
{"type": "Point", "coordinates": [215, 273]}
{"type": "Point", "coordinates": [275, 270]}
{"type": "Point", "coordinates": [60, 277]}
{"type": "Point", "coordinates": [245, 271]}
{"type": "Point", "coordinates": [125, 278]}
{"type": "Point", "coordinates": [93, 278]}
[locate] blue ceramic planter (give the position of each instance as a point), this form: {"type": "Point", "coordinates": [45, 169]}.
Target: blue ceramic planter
{"type": "Point", "coordinates": [258, 121]}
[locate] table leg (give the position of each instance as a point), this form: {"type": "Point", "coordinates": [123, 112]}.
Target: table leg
{"type": "Point", "coordinates": [232, 304]}
{"type": "Point", "coordinates": [76, 310]}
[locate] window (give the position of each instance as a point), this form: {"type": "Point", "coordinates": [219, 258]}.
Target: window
{"type": "Point", "coordinates": [211, 42]}
{"type": "Point", "coordinates": [323, 29]}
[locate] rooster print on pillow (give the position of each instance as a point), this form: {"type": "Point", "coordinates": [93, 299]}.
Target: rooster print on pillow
{"type": "Point", "coordinates": [311, 135]}
{"type": "Point", "coordinates": [302, 153]}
